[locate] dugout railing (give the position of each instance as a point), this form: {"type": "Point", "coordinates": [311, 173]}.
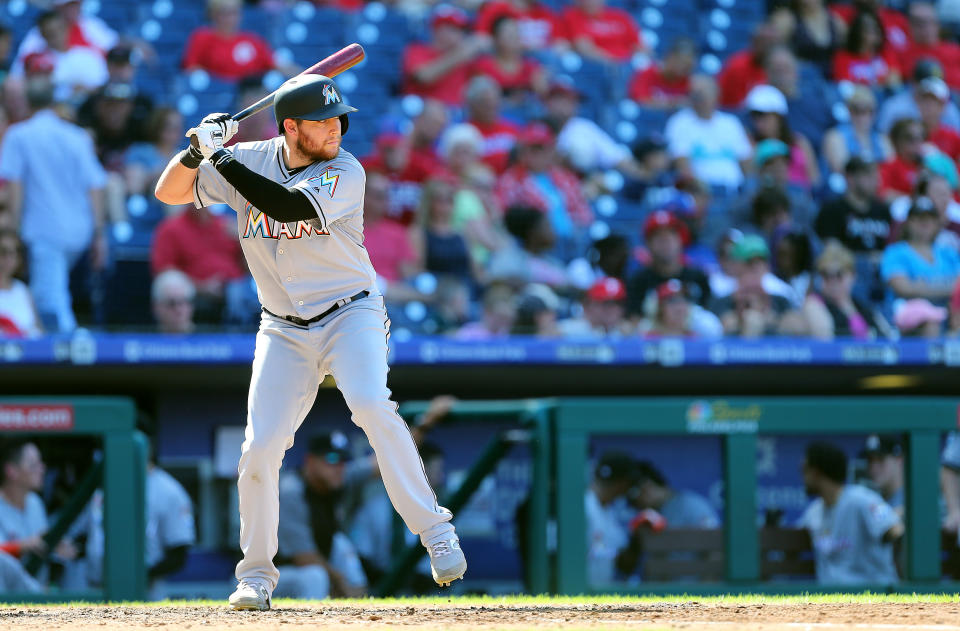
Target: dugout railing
{"type": "Point", "coordinates": [121, 472]}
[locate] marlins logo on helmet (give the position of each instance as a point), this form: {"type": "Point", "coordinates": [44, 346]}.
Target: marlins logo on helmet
{"type": "Point", "coordinates": [330, 95]}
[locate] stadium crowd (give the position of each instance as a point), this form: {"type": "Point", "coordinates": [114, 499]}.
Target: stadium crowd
{"type": "Point", "coordinates": [552, 170]}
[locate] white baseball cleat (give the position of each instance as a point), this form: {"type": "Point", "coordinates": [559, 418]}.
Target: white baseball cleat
{"type": "Point", "coordinates": [446, 560]}
{"type": "Point", "coordinates": [250, 596]}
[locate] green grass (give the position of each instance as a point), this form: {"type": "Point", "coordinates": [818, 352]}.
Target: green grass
{"type": "Point", "coordinates": [562, 601]}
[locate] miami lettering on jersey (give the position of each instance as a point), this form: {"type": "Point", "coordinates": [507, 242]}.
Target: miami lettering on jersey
{"type": "Point", "coordinates": [258, 223]}
{"type": "Point", "coordinates": [325, 180]}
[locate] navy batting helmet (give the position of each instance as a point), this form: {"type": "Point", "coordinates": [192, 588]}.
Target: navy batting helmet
{"type": "Point", "coordinates": [310, 97]}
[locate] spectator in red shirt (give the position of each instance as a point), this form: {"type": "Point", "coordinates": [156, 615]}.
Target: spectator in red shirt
{"type": "Point", "coordinates": [387, 241]}
{"type": "Point", "coordinates": [666, 85]}
{"type": "Point", "coordinates": [925, 29]}
{"type": "Point", "coordinates": [483, 112]}
{"type": "Point", "coordinates": [518, 75]}
{"type": "Point", "coordinates": [539, 26]}
{"type": "Point", "coordinates": [406, 171]}
{"type": "Point", "coordinates": [866, 58]}
{"type": "Point", "coordinates": [745, 69]}
{"type": "Point", "coordinates": [203, 246]}
{"type": "Point", "coordinates": [899, 175]}
{"type": "Point", "coordinates": [601, 32]}
{"type": "Point", "coordinates": [225, 51]}
{"type": "Point", "coordinates": [932, 96]}
{"type": "Point", "coordinates": [895, 25]}
{"type": "Point", "coordinates": [425, 134]}
{"type": "Point", "coordinates": [441, 68]}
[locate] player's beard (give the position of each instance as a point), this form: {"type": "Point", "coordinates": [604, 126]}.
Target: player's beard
{"type": "Point", "coordinates": [316, 152]}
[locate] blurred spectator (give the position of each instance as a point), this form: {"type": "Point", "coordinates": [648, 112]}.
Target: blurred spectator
{"type": "Point", "coordinates": [18, 315]}
{"type": "Point", "coordinates": [707, 144]}
{"type": "Point", "coordinates": [440, 68]}
{"type": "Point", "coordinates": [474, 203]}
{"type": "Point", "coordinates": [666, 84]}
{"type": "Point", "coordinates": [866, 59]}
{"type": "Point", "coordinates": [950, 481]}
{"type": "Point", "coordinates": [580, 141]}
{"type": "Point", "coordinates": [539, 26]}
{"type": "Point", "coordinates": [723, 278]}
{"type": "Point", "coordinates": [483, 112]}
{"type": "Point", "coordinates": [932, 95]}
{"type": "Point", "coordinates": [809, 102]}
{"type": "Point", "coordinates": [918, 317]}
{"type": "Point", "coordinates": [537, 313]}
{"type": "Point", "coordinates": [903, 104]}
{"type": "Point", "coordinates": [527, 259]}
{"type": "Point", "coordinates": [441, 249]}
{"type": "Point", "coordinates": [953, 323]}
{"type": "Point", "coordinates": [387, 241]}
{"type": "Point", "coordinates": [765, 193]}
{"type": "Point", "coordinates": [23, 516]}
{"type": "Point", "coordinates": [927, 44]}
{"type": "Point", "coordinates": [680, 508]}
{"type": "Point", "coordinates": [451, 308]}
{"type": "Point", "coordinates": [917, 267]}
{"type": "Point", "coordinates": [425, 134]}
{"type": "Point", "coordinates": [604, 308]}
{"type": "Point", "coordinates": [143, 162]}
{"type": "Point", "coordinates": [768, 120]}
{"type": "Point", "coordinates": [885, 468]}
{"type": "Point", "coordinates": [204, 246]}
{"type": "Point", "coordinates": [121, 71]}
{"type": "Point", "coordinates": [225, 51]}
{"type": "Point", "coordinates": [770, 207]}
{"type": "Point", "coordinates": [259, 126]}
{"type": "Point", "coordinates": [82, 29]}
{"type": "Point", "coordinates": [746, 68]}
{"type": "Point", "coordinates": [171, 296]}
{"type": "Point", "coordinates": [609, 256]}
{"type": "Point", "coordinates": [812, 32]}
{"type": "Point", "coordinates": [315, 558]}
{"type": "Point", "coordinates": [6, 46]}
{"type": "Point", "coordinates": [858, 137]}
{"type": "Point", "coordinates": [537, 181]}
{"type": "Point", "coordinates": [896, 29]}
{"type": "Point", "coordinates": [665, 236]}
{"type": "Point", "coordinates": [898, 176]}
{"type": "Point", "coordinates": [607, 514]}
{"type": "Point", "coordinates": [499, 312]}
{"type": "Point", "coordinates": [833, 311]}
{"type": "Point", "coordinates": [859, 220]}
{"type": "Point", "coordinates": [14, 579]}
{"type": "Point", "coordinates": [672, 315]}
{"type": "Point", "coordinates": [113, 126]}
{"type": "Point", "coordinates": [651, 168]}
{"type": "Point", "coordinates": [940, 192]}
{"type": "Point", "coordinates": [603, 33]}
{"type": "Point", "coordinates": [519, 76]}
{"type": "Point", "coordinates": [793, 260]}
{"type": "Point", "coordinates": [392, 157]}
{"type": "Point", "coordinates": [852, 528]}
{"type": "Point", "coordinates": [30, 151]}
{"type": "Point", "coordinates": [751, 311]}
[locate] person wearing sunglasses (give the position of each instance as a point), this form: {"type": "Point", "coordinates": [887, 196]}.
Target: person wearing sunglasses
{"type": "Point", "coordinates": [171, 296]}
{"type": "Point", "coordinates": [831, 309]}
{"type": "Point", "coordinates": [858, 137]}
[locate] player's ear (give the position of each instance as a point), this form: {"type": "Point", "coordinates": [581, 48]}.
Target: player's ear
{"type": "Point", "coordinates": [290, 126]}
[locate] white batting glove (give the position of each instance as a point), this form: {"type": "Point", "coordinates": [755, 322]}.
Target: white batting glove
{"type": "Point", "coordinates": [227, 124]}
{"type": "Point", "coordinates": [207, 137]}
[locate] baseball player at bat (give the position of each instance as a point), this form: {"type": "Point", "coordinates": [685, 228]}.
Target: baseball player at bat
{"type": "Point", "coordinates": [299, 204]}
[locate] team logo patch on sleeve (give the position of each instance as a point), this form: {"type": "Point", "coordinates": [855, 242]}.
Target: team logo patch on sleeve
{"type": "Point", "coordinates": [325, 180]}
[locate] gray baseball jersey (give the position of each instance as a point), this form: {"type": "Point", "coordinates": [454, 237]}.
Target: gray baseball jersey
{"type": "Point", "coordinates": [686, 509]}
{"type": "Point", "coordinates": [848, 538]}
{"type": "Point", "coordinates": [301, 268]}
{"type": "Point", "coordinates": [950, 457]}
{"type": "Point", "coordinates": [17, 524]}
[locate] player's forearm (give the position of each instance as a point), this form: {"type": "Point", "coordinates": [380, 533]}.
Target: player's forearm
{"type": "Point", "coordinates": [175, 185]}
{"type": "Point", "coordinates": [272, 199]}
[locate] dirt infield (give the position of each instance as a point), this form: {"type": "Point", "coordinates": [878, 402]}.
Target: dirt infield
{"type": "Point", "coordinates": [691, 615]}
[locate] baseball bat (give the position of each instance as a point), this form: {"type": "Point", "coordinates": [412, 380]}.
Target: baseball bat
{"type": "Point", "coordinates": [345, 58]}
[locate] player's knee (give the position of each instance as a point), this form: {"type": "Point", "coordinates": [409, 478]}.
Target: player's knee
{"type": "Point", "coordinates": [367, 410]}
{"type": "Point", "coordinates": [262, 452]}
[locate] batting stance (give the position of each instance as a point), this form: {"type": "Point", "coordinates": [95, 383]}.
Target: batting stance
{"type": "Point", "coordinates": [299, 204]}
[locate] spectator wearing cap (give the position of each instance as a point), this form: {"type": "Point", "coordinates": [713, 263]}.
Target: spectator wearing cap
{"type": "Point", "coordinates": [536, 180]}
{"type": "Point", "coordinates": [519, 75]}
{"type": "Point", "coordinates": [680, 508]}
{"type": "Point", "coordinates": [933, 95]}
{"type": "Point", "coordinates": [811, 30]}
{"type": "Point", "coordinates": [809, 102]}
{"type": "Point", "coordinates": [858, 136]}
{"type": "Point", "coordinates": [499, 307]}
{"type": "Point", "coordinates": [171, 298]}
{"type": "Point", "coordinates": [884, 456]}
{"type": "Point", "coordinates": [608, 514]}
{"type": "Point", "coordinates": [483, 100]}
{"type": "Point", "coordinates": [582, 143]}
{"type": "Point", "coordinates": [859, 220]}
{"type": "Point", "coordinates": [113, 126]}
{"type": "Point", "coordinates": [745, 69]}
{"type": "Point", "coordinates": [666, 85]}
{"type": "Point", "coordinates": [528, 258]}
{"type": "Point", "coordinates": [768, 121]}
{"type": "Point", "coordinates": [898, 176]}
{"type": "Point", "coordinates": [896, 28]}
{"type": "Point", "coordinates": [903, 104]}
{"type": "Point", "coordinates": [603, 33]}
{"type": "Point", "coordinates": [917, 267]}
{"type": "Point", "coordinates": [604, 307]}
{"type": "Point", "coordinates": [665, 236]}
{"type": "Point", "coordinates": [832, 310]}
{"type": "Point", "coordinates": [440, 69]}
{"type": "Point", "coordinates": [866, 59]}
{"type": "Point", "coordinates": [672, 315]}
{"type": "Point", "coordinates": [918, 317]}
{"type": "Point", "coordinates": [537, 313]}
{"type": "Point", "coordinates": [315, 558]}
{"type": "Point", "coordinates": [772, 162]}
{"type": "Point", "coordinates": [539, 26]}
{"type": "Point", "coordinates": [751, 311]}
{"type": "Point", "coordinates": [851, 527]}
{"type": "Point", "coordinates": [225, 51]}
{"type": "Point", "coordinates": [770, 211]}
{"type": "Point", "coordinates": [927, 44]}
{"type": "Point", "coordinates": [707, 144]}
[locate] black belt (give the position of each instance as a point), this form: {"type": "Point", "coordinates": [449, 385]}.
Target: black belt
{"type": "Point", "coordinates": [339, 303]}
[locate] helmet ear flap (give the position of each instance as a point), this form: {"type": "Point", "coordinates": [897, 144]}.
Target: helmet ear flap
{"type": "Point", "coordinates": [344, 124]}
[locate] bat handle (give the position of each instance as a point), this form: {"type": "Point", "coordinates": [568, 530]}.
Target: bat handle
{"type": "Point", "coordinates": [250, 110]}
